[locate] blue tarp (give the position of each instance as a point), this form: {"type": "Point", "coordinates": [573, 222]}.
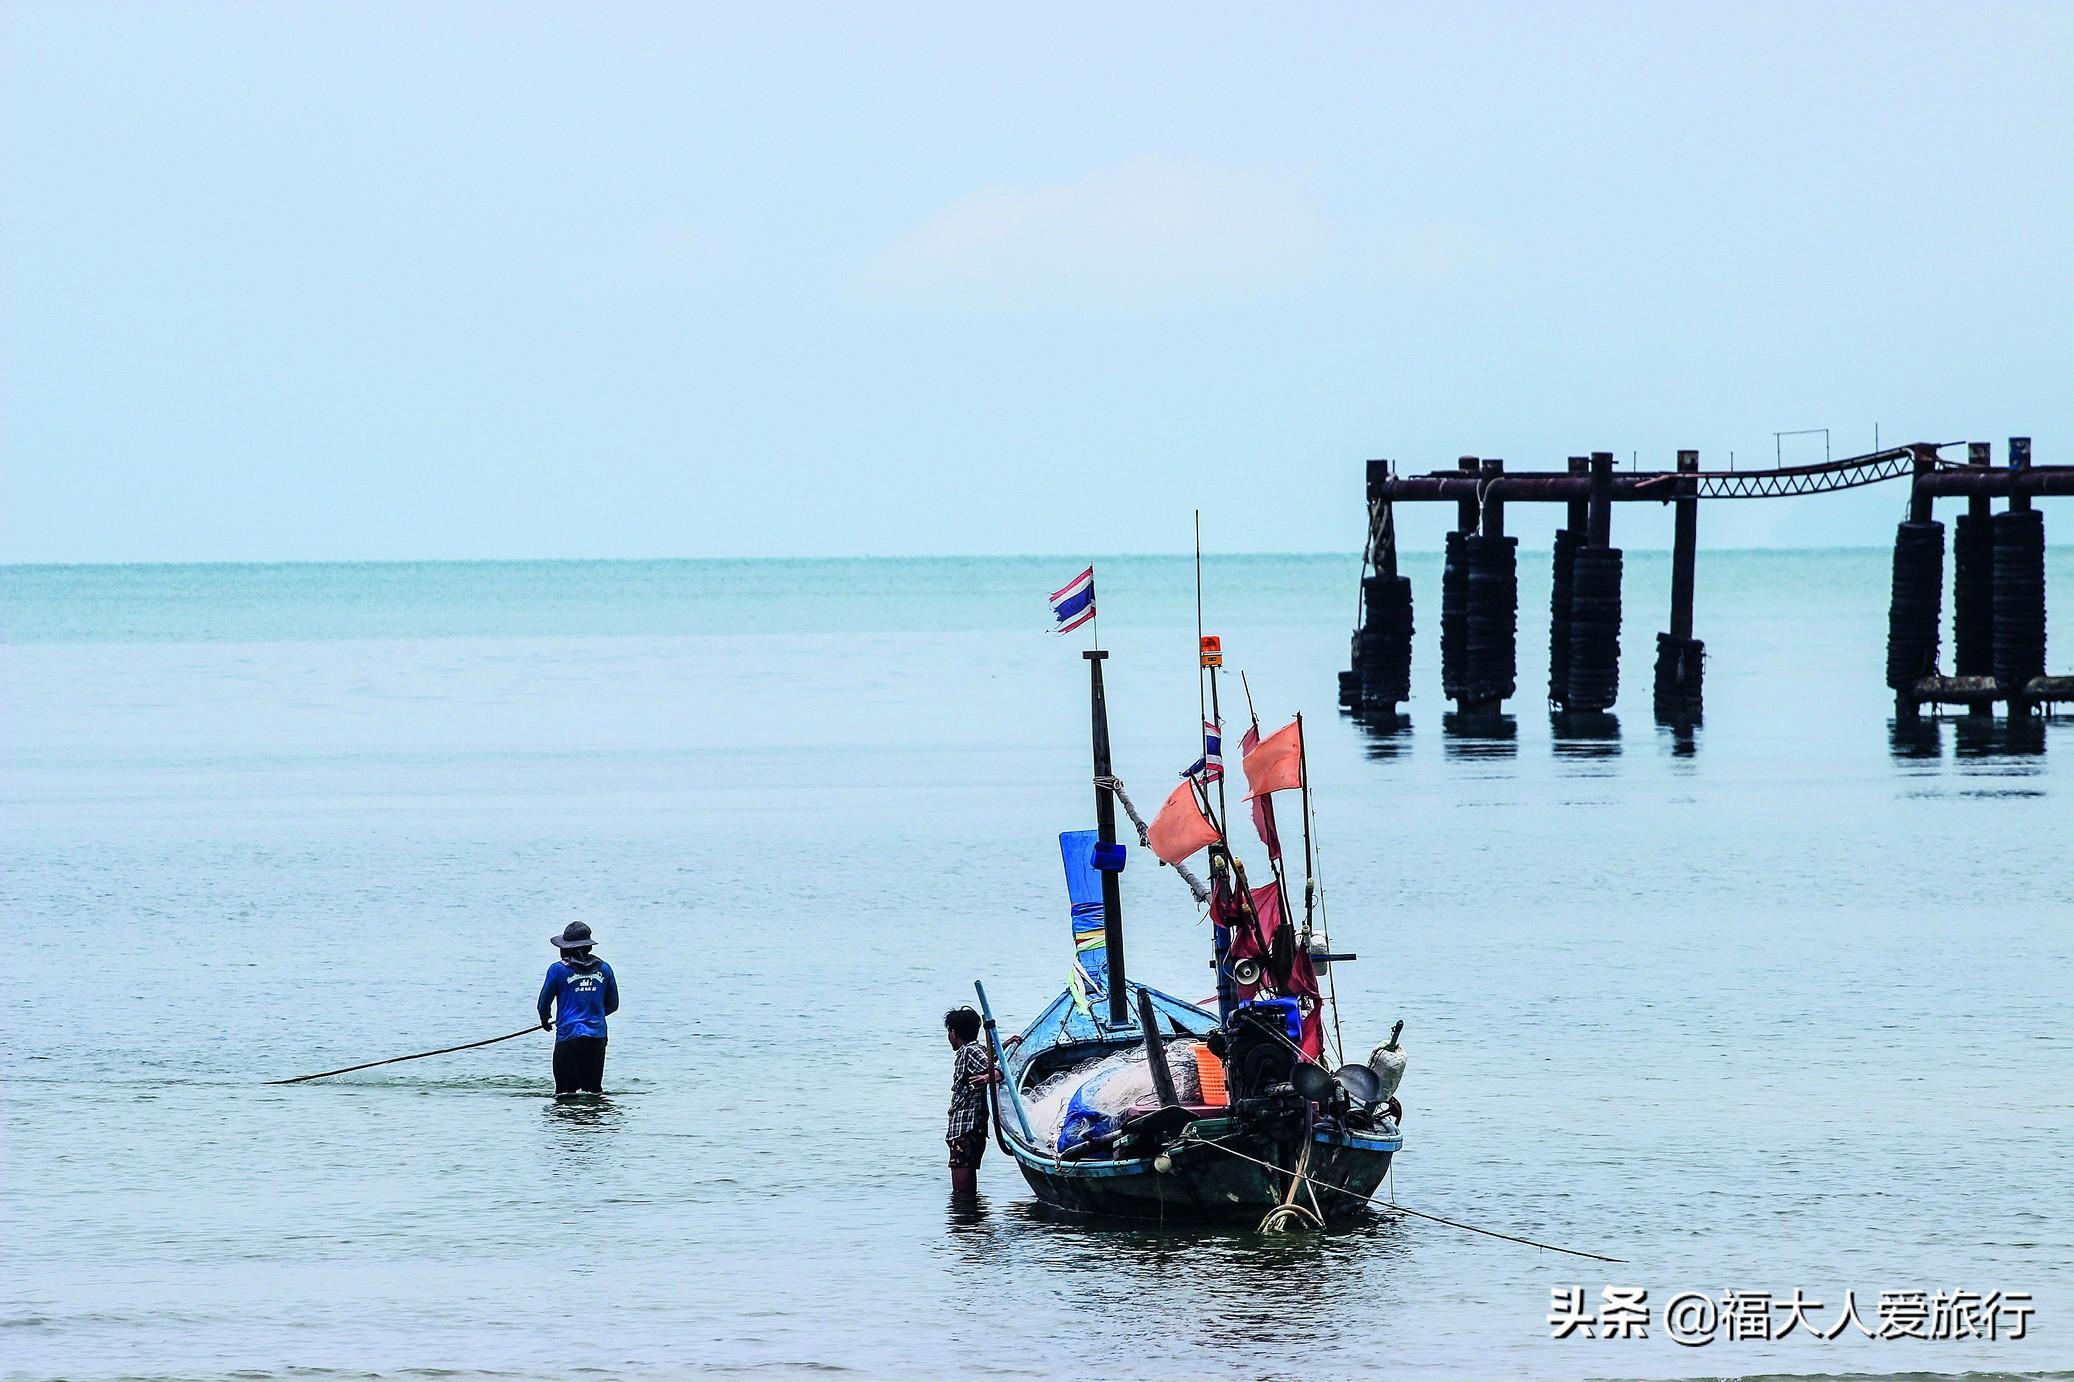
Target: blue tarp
{"type": "Point", "coordinates": [1084, 891]}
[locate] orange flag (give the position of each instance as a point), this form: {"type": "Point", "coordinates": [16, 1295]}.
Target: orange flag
{"type": "Point", "coordinates": [1180, 828]}
{"type": "Point", "coordinates": [1275, 764]}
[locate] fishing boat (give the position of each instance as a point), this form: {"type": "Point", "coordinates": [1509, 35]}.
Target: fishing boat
{"type": "Point", "coordinates": [1124, 1101]}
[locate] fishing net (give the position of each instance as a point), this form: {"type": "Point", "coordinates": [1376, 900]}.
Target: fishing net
{"type": "Point", "coordinates": [1091, 1100]}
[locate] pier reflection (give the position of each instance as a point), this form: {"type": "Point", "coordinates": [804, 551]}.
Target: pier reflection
{"type": "Point", "coordinates": [1680, 723]}
{"type": "Point", "coordinates": [1682, 734]}
{"type": "Point", "coordinates": [1385, 734]}
{"type": "Point", "coordinates": [1982, 745]}
{"type": "Point", "coordinates": [1915, 739]}
{"type": "Point", "coordinates": [1585, 734]}
{"type": "Point", "coordinates": [1979, 737]}
{"type": "Point", "coordinates": [1482, 736]}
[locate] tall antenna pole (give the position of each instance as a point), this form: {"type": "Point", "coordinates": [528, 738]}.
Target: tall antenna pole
{"type": "Point", "coordinates": [1216, 715]}
{"type": "Point", "coordinates": [1202, 709]}
{"type": "Point", "coordinates": [1303, 779]}
{"type": "Point", "coordinates": [1220, 857]}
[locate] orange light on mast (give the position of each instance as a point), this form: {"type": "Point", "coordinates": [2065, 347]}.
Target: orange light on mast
{"type": "Point", "coordinates": [1213, 650]}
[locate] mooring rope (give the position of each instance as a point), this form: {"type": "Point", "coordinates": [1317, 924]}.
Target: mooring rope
{"type": "Point", "coordinates": [1415, 1213]}
{"type": "Point", "coordinates": [1289, 1211]}
{"type": "Point", "coordinates": [369, 1065]}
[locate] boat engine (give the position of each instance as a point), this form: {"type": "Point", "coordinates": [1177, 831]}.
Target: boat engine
{"type": "Point", "coordinates": [1260, 1058]}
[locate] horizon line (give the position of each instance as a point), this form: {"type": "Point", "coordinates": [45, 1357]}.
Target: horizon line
{"type": "Point", "coordinates": [839, 557]}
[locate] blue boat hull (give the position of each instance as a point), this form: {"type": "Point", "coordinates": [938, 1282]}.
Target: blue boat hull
{"type": "Point", "coordinates": [1207, 1169]}
{"type": "Point", "coordinates": [1209, 1184]}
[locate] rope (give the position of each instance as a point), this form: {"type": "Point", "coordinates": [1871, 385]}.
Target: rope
{"type": "Point", "coordinates": [1339, 1045]}
{"type": "Point", "coordinates": [1195, 885]}
{"type": "Point", "coordinates": [1284, 1217]}
{"type": "Point", "coordinates": [1289, 1214]}
{"type": "Point", "coordinates": [1415, 1213]}
{"type": "Point", "coordinates": [444, 1050]}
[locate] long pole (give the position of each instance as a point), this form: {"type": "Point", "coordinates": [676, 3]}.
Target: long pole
{"type": "Point", "coordinates": [394, 1060]}
{"type": "Point", "coordinates": [1303, 781]}
{"type": "Point", "coordinates": [1105, 831]}
{"type": "Point", "coordinates": [1684, 546]}
{"type": "Point", "coordinates": [1094, 622]}
{"type": "Point", "coordinates": [1015, 1098]}
{"type": "Point", "coordinates": [1266, 807]}
{"type": "Point", "coordinates": [1202, 709]}
{"type": "Point", "coordinates": [1310, 888]}
{"type": "Point", "coordinates": [1220, 934]}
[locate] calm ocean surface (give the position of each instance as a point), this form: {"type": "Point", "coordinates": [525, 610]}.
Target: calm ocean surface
{"type": "Point", "coordinates": [1783, 1002]}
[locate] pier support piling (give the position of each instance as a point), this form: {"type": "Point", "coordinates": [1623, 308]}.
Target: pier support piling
{"type": "Point", "coordinates": [1490, 604]}
{"type": "Point", "coordinates": [2019, 598]}
{"type": "Point", "coordinates": [1378, 679]}
{"type": "Point", "coordinates": [1680, 657]}
{"type": "Point", "coordinates": [1917, 594]}
{"type": "Point", "coordinates": [1973, 586]}
{"type": "Point", "coordinates": [1593, 680]}
{"type": "Point", "coordinates": [1568, 539]}
{"type": "Point", "coordinates": [1454, 591]}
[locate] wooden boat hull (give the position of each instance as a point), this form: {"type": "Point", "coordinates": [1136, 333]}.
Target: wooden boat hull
{"type": "Point", "coordinates": [1208, 1184]}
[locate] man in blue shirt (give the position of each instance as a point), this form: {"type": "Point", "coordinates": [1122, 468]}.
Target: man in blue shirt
{"type": "Point", "coordinates": [580, 991]}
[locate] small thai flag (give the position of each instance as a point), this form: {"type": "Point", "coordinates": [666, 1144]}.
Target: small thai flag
{"type": "Point", "coordinates": [1210, 767]}
{"type": "Point", "coordinates": [1075, 604]}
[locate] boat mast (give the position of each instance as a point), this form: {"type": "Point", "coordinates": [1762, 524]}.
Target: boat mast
{"type": "Point", "coordinates": [1206, 666]}
{"type": "Point", "coordinates": [1220, 934]}
{"type": "Point", "coordinates": [1105, 834]}
{"type": "Point", "coordinates": [1266, 807]}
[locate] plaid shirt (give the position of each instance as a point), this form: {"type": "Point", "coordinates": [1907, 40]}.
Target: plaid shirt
{"type": "Point", "coordinates": [968, 1100]}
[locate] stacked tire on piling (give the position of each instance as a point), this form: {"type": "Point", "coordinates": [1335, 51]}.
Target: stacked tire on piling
{"type": "Point", "coordinates": [1592, 678]}
{"type": "Point", "coordinates": [1381, 676]}
{"type": "Point", "coordinates": [1912, 612]}
{"type": "Point", "coordinates": [1973, 595]}
{"type": "Point", "coordinates": [1490, 618]}
{"type": "Point", "coordinates": [1680, 665]}
{"type": "Point", "coordinates": [1454, 619]}
{"type": "Point", "coordinates": [2019, 652]}
{"type": "Point", "coordinates": [1566, 544]}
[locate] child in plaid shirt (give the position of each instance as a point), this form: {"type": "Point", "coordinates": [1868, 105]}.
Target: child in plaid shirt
{"type": "Point", "coordinates": [972, 1072]}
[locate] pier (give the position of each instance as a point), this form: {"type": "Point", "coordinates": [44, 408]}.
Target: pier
{"type": "Point", "coordinates": [1998, 579]}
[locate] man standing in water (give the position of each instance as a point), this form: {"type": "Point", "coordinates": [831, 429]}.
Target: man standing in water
{"type": "Point", "coordinates": [972, 1071]}
{"type": "Point", "coordinates": [580, 991]}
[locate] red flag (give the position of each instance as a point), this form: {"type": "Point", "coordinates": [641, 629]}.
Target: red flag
{"type": "Point", "coordinates": [1180, 828]}
{"type": "Point", "coordinates": [1263, 806]}
{"type": "Point", "coordinates": [1303, 981]}
{"type": "Point", "coordinates": [1275, 764]}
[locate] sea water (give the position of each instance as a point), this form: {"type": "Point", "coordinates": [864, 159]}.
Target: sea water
{"type": "Point", "coordinates": [1777, 1002]}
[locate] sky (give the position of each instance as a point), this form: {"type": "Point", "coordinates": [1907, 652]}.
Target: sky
{"type": "Point", "coordinates": [371, 281]}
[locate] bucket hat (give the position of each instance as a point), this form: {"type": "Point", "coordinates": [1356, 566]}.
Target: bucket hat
{"type": "Point", "coordinates": [575, 936]}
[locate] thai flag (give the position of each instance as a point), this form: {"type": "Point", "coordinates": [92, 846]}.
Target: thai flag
{"type": "Point", "coordinates": [1210, 767]}
{"type": "Point", "coordinates": [1075, 604]}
